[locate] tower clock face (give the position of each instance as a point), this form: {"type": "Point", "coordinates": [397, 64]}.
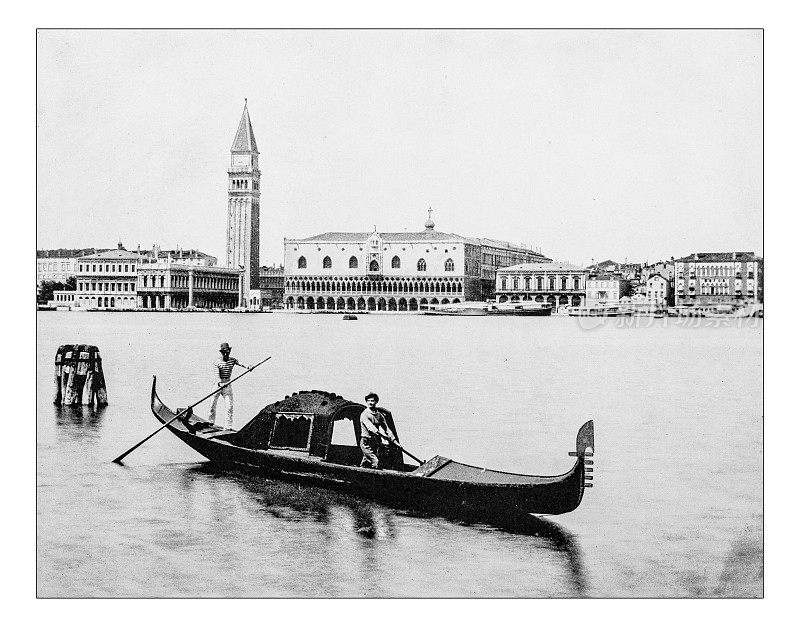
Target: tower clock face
{"type": "Point", "coordinates": [243, 160]}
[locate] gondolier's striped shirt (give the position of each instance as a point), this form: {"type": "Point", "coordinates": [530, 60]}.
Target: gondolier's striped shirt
{"type": "Point", "coordinates": [224, 368]}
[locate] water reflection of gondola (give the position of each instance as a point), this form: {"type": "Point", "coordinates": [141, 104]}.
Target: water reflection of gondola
{"type": "Point", "coordinates": [555, 537]}
{"type": "Point", "coordinates": [285, 499]}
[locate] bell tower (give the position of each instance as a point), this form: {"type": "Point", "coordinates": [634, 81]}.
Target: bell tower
{"type": "Point", "coordinates": [244, 194]}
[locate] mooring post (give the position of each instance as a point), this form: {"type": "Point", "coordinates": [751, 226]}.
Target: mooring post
{"type": "Point", "coordinates": [79, 376]}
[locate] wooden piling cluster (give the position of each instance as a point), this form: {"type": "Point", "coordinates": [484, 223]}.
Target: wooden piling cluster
{"type": "Point", "coordinates": [79, 376]}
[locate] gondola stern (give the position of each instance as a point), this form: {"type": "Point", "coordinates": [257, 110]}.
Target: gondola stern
{"type": "Point", "coordinates": [585, 439]}
{"type": "Point", "coordinates": [584, 448]}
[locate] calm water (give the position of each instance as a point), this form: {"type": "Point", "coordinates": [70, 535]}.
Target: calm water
{"type": "Point", "coordinates": [676, 508]}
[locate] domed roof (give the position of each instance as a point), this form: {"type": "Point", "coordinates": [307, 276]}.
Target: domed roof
{"type": "Point", "coordinates": [429, 223]}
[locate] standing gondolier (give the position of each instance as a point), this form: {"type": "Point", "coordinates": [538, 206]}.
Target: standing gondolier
{"type": "Point", "coordinates": [223, 368]}
{"type": "Point", "coordinates": [373, 430]}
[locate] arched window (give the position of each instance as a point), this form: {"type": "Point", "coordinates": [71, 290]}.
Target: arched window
{"type": "Point", "coordinates": [552, 283]}
{"type": "Point", "coordinates": [353, 262]}
{"type": "Point", "coordinates": [395, 262]}
{"type": "Point", "coordinates": [576, 283]}
{"type": "Point", "coordinates": [449, 266]}
{"type": "Point", "coordinates": [301, 263]}
{"type": "Point", "coordinates": [563, 283]}
{"type": "Point", "coordinates": [373, 265]}
{"type": "Point", "coordinates": [326, 263]}
{"type": "Point", "coordinates": [527, 282]}
{"type": "Point", "coordinates": [503, 283]}
{"type": "Point", "coordinates": [539, 283]}
{"type": "Point", "coordinates": [421, 265]}
{"type": "Point", "coordinates": [515, 281]}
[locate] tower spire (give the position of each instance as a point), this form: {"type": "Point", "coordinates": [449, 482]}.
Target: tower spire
{"type": "Point", "coordinates": [245, 140]}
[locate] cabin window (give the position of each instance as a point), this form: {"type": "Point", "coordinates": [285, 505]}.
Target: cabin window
{"type": "Point", "coordinates": [291, 431]}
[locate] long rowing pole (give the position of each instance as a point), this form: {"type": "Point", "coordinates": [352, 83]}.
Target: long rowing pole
{"type": "Point", "coordinates": [414, 457]}
{"type": "Point", "coordinates": [119, 459]}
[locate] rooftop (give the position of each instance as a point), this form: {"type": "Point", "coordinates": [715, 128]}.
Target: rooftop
{"type": "Point", "coordinates": [427, 235]}
{"type": "Point", "coordinates": [731, 256]}
{"type": "Point", "coordinates": [63, 253]}
{"type": "Point", "coordinates": [116, 253]}
{"type": "Point", "coordinates": [543, 267]}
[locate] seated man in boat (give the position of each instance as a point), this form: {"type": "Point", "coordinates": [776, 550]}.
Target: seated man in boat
{"type": "Point", "coordinates": [374, 431]}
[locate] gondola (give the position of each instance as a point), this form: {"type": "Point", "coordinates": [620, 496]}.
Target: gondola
{"type": "Point", "coordinates": [293, 438]}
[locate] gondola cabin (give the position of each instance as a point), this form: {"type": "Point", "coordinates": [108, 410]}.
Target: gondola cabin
{"type": "Point", "coordinates": [318, 424]}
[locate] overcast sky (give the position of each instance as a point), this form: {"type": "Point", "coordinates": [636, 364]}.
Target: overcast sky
{"type": "Point", "coordinates": [588, 144]}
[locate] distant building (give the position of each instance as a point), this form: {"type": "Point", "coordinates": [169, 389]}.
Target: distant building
{"type": "Point", "coordinates": [664, 268]}
{"type": "Point", "coordinates": [659, 291]}
{"type": "Point", "coordinates": [394, 271]}
{"type": "Point", "coordinates": [172, 285]}
{"type": "Point", "coordinates": [603, 289]}
{"type": "Point", "coordinates": [60, 264]}
{"type": "Point", "coordinates": [710, 279]}
{"type": "Point", "coordinates": [187, 257]}
{"type": "Point", "coordinates": [271, 286]}
{"type": "Point", "coordinates": [107, 280]}
{"type": "Point", "coordinates": [555, 283]}
{"type": "Point", "coordinates": [627, 271]}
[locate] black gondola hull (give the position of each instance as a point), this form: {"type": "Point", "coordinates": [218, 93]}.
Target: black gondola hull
{"type": "Point", "coordinates": [484, 491]}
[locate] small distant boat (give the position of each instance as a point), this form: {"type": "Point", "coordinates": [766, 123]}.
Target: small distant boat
{"type": "Point", "coordinates": [349, 317]}
{"type": "Point", "coordinates": [456, 311]}
{"type": "Point", "coordinates": [605, 311]}
{"type": "Point", "coordinates": [521, 310]}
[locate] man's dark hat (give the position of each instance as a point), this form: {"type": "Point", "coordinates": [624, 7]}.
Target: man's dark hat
{"type": "Point", "coordinates": [371, 395]}
{"type": "Point", "coordinates": [224, 347]}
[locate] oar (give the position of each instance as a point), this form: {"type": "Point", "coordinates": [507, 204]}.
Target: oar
{"type": "Point", "coordinates": [414, 457]}
{"type": "Point", "coordinates": [119, 459]}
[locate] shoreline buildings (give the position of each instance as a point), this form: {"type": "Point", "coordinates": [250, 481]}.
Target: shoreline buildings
{"type": "Point", "coordinates": [393, 271]}
{"type": "Point", "coordinates": [374, 271]}
{"type": "Point", "coordinates": [152, 279]}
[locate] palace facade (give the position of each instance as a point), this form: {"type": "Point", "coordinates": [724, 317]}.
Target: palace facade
{"type": "Point", "coordinates": [392, 271]}
{"type": "Point", "coordinates": [707, 279]}
{"type": "Point", "coordinates": [555, 283]}
{"type": "Point", "coordinates": [174, 285]}
{"type": "Point", "coordinates": [106, 280]}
